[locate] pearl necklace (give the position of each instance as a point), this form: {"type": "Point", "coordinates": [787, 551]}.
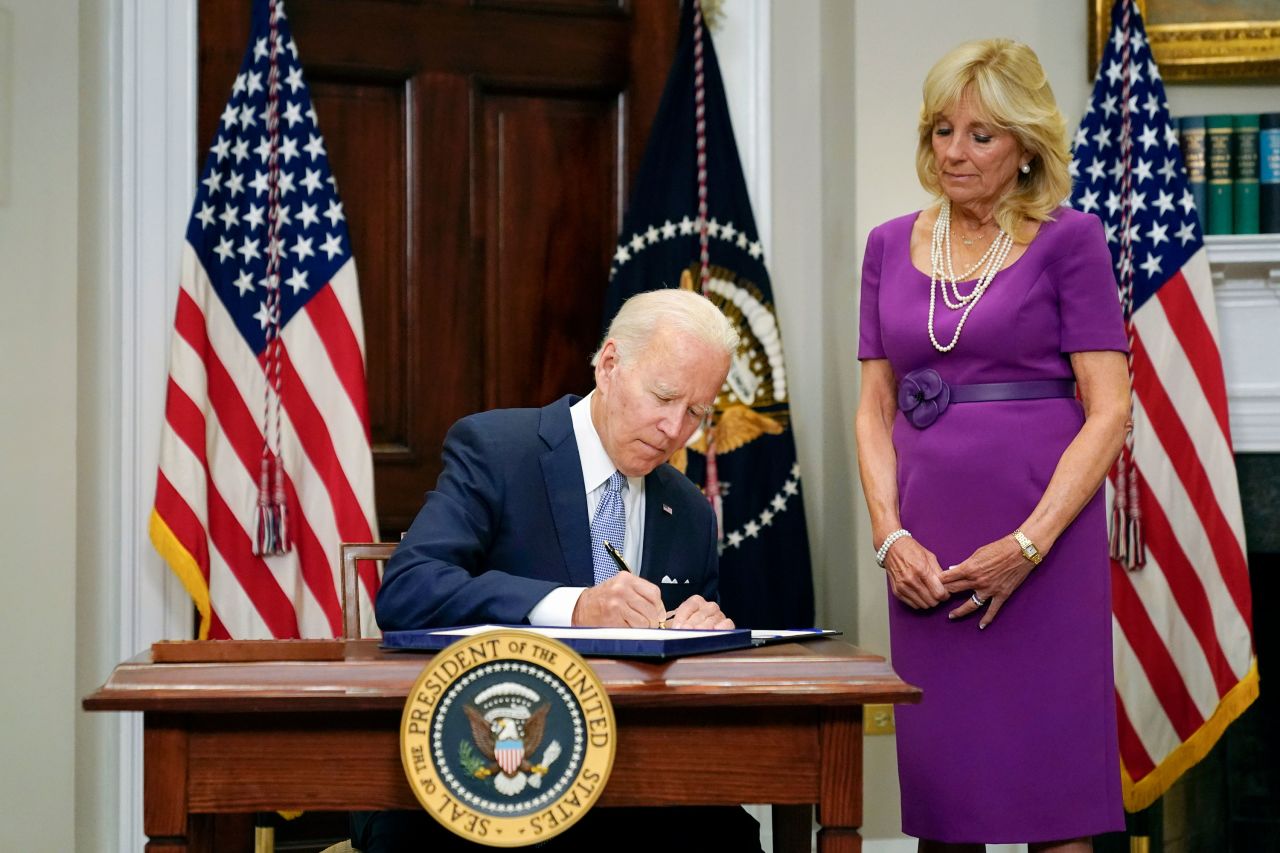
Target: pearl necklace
{"type": "Point", "coordinates": [943, 273]}
{"type": "Point", "coordinates": [952, 277]}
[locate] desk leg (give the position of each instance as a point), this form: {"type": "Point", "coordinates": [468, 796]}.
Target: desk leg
{"type": "Point", "coordinates": [792, 829]}
{"type": "Point", "coordinates": [164, 790]}
{"type": "Point", "coordinates": [840, 781]}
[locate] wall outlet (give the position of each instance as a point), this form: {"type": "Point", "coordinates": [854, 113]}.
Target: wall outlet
{"type": "Point", "coordinates": [877, 719]}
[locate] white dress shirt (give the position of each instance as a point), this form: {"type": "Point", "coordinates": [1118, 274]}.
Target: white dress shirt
{"type": "Point", "coordinates": [556, 608]}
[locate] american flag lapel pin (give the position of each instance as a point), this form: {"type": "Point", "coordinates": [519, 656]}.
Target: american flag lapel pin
{"type": "Point", "coordinates": [666, 508]}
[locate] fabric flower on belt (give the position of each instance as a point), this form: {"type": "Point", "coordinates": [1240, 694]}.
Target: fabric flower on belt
{"type": "Point", "coordinates": [923, 396]}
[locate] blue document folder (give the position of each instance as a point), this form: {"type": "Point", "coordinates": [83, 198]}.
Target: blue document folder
{"type": "Point", "coordinates": [652, 643]}
{"type": "Point", "coordinates": [790, 635]}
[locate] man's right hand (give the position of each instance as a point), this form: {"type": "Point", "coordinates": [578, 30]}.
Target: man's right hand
{"type": "Point", "coordinates": [624, 600]}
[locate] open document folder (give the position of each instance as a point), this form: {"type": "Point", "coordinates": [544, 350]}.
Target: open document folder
{"type": "Point", "coordinates": [613, 642]}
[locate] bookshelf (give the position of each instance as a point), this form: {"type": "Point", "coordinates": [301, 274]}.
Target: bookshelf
{"type": "Point", "coordinates": [1227, 249]}
{"type": "Point", "coordinates": [1246, 279]}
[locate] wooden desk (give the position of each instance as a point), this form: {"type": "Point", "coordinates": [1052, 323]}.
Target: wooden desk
{"type": "Point", "coordinates": [780, 724]}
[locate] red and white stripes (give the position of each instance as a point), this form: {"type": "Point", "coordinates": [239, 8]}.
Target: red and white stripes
{"type": "Point", "coordinates": [206, 498]}
{"type": "Point", "coordinates": [1183, 649]}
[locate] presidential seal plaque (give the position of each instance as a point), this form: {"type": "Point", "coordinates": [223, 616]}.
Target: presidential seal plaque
{"type": "Point", "coordinates": [507, 738]}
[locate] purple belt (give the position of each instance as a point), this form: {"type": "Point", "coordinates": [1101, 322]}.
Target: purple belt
{"type": "Point", "coordinates": [923, 395]}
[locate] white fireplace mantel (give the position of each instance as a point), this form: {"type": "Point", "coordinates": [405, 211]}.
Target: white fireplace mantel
{"type": "Point", "coordinates": [1246, 278]}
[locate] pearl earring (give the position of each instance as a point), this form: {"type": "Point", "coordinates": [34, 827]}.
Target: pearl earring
{"type": "Point", "coordinates": [1026, 168]}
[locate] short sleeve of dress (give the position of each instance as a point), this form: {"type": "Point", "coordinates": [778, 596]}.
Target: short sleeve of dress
{"type": "Point", "coordinates": [870, 342]}
{"type": "Point", "coordinates": [1088, 300]}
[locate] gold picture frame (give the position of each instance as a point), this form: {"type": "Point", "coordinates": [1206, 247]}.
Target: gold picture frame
{"type": "Point", "coordinates": [1207, 50]}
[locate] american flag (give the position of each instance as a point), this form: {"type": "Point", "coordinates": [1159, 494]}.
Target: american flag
{"type": "Point", "coordinates": [1184, 664]}
{"type": "Point", "coordinates": [266, 407]}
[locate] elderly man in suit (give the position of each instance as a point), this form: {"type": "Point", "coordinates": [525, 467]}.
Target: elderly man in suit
{"type": "Point", "coordinates": [514, 531]}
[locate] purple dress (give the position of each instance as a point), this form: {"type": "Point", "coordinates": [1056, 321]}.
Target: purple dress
{"type": "Point", "coordinates": [1015, 739]}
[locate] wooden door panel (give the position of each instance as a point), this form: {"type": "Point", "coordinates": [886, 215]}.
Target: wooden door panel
{"type": "Point", "coordinates": [444, 372]}
{"type": "Point", "coordinates": [523, 41]}
{"type": "Point", "coordinates": [548, 187]}
{"type": "Point", "coordinates": [554, 5]}
{"type": "Point", "coordinates": [371, 168]}
{"type": "Point", "coordinates": [483, 150]}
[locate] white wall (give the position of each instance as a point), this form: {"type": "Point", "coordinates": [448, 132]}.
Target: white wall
{"type": "Point", "coordinates": [59, 423]}
{"type": "Point", "coordinates": [98, 756]}
{"type": "Point", "coordinates": [39, 382]}
{"type": "Point", "coordinates": [796, 263]}
{"type": "Point", "coordinates": [1200, 99]}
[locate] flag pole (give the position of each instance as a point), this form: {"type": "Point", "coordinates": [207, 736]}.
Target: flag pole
{"type": "Point", "coordinates": [264, 833]}
{"type": "Point", "coordinates": [1146, 828]}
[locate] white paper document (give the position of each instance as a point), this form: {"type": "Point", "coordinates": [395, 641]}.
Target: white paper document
{"type": "Point", "coordinates": [590, 633]}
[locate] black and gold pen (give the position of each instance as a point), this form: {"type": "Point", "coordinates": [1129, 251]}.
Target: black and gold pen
{"type": "Point", "coordinates": [665, 622]}
{"type": "Point", "coordinates": [617, 557]}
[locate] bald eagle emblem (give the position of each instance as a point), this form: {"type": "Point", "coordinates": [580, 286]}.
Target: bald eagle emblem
{"type": "Point", "coordinates": [507, 724]}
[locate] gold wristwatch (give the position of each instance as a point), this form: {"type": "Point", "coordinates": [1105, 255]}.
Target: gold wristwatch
{"type": "Point", "coordinates": [1029, 549]}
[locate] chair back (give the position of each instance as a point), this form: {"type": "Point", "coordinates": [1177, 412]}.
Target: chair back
{"type": "Point", "coordinates": [351, 554]}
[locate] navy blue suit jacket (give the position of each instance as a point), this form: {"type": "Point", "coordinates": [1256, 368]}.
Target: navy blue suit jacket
{"type": "Point", "coordinates": [507, 523]}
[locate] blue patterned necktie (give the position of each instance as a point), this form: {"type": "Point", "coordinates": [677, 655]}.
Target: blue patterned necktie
{"type": "Point", "coordinates": [609, 523]}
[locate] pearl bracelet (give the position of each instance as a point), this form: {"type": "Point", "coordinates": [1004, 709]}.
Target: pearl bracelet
{"type": "Point", "coordinates": [887, 543]}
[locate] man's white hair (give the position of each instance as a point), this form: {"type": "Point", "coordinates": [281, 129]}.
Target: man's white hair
{"type": "Point", "coordinates": [668, 308]}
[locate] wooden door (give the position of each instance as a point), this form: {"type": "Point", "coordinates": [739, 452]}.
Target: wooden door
{"type": "Point", "coordinates": [483, 152]}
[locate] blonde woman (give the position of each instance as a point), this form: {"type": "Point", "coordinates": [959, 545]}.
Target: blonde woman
{"type": "Point", "coordinates": [982, 319]}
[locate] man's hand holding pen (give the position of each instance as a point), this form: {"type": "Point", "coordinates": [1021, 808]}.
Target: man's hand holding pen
{"type": "Point", "coordinates": [623, 601]}
{"type": "Point", "coordinates": [627, 600]}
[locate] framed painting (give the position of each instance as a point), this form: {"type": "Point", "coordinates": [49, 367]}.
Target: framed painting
{"type": "Point", "coordinates": [1202, 40]}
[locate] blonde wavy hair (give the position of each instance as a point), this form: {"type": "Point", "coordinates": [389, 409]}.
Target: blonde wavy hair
{"type": "Point", "coordinates": [1008, 88]}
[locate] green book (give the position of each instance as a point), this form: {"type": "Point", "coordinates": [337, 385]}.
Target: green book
{"type": "Point", "coordinates": [1219, 219]}
{"type": "Point", "coordinates": [1191, 141]}
{"type": "Point", "coordinates": [1244, 184]}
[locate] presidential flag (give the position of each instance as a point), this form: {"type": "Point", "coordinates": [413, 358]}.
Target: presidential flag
{"type": "Point", "coordinates": [265, 464]}
{"type": "Point", "coordinates": [690, 225]}
{"type": "Point", "coordinates": [1184, 663]}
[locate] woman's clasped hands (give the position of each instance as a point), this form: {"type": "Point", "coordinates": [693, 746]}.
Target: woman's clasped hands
{"type": "Point", "coordinates": [990, 575]}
